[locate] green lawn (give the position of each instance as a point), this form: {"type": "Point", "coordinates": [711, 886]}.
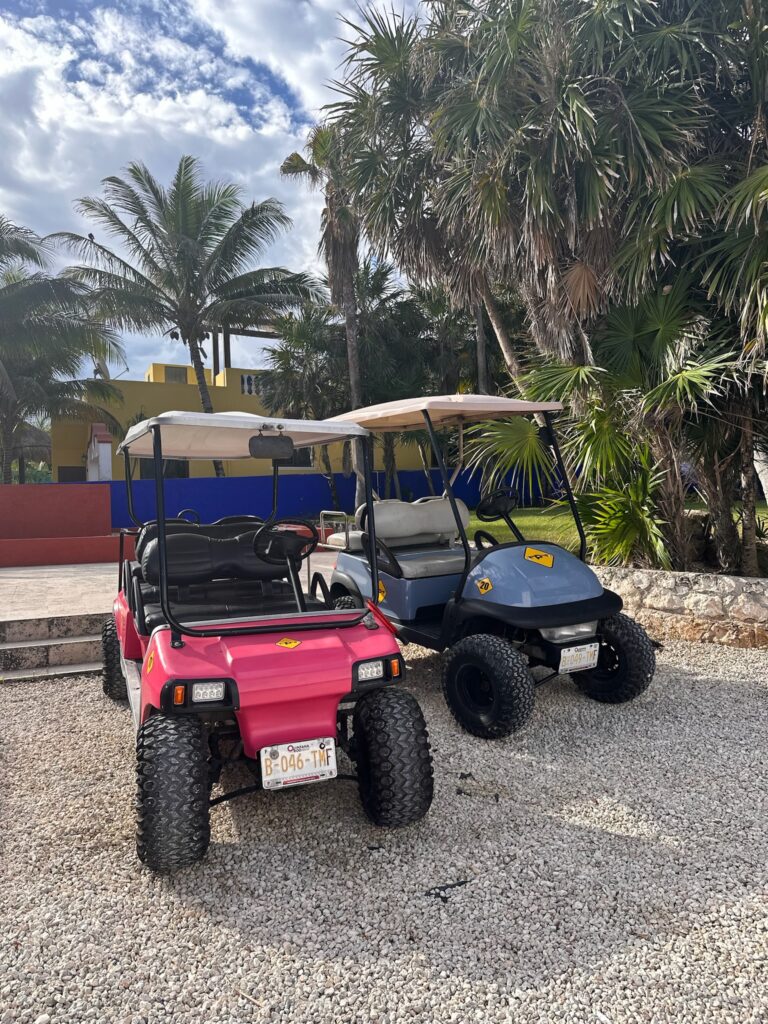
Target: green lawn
{"type": "Point", "coordinates": [552, 524]}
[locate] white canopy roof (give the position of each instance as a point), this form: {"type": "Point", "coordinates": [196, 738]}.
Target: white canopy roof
{"type": "Point", "coordinates": [225, 435]}
{"type": "Point", "coordinates": [443, 410]}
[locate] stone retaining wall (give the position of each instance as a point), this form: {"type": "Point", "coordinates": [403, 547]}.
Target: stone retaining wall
{"type": "Point", "coordinates": [694, 606]}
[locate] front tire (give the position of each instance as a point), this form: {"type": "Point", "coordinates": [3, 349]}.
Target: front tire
{"type": "Point", "coordinates": [112, 679]}
{"type": "Point", "coordinates": [488, 686]}
{"type": "Point", "coordinates": [394, 765]}
{"type": "Point", "coordinates": [173, 775]}
{"type": "Point", "coordinates": [627, 663]}
{"type": "Point", "coordinates": [346, 601]}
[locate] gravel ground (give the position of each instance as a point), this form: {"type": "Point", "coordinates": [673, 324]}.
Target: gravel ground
{"type": "Point", "coordinates": [606, 865]}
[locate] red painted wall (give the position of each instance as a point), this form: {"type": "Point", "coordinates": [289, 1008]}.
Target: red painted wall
{"type": "Point", "coordinates": [62, 550]}
{"type": "Point", "coordinates": [55, 510]}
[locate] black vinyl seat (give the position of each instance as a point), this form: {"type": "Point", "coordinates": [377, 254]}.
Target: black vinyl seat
{"type": "Point", "coordinates": [210, 578]}
{"type": "Point", "coordinates": [229, 527]}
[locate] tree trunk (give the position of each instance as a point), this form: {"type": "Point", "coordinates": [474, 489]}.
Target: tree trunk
{"type": "Point", "coordinates": [749, 563]}
{"type": "Point", "coordinates": [423, 451]}
{"type": "Point", "coordinates": [329, 475]}
{"type": "Point", "coordinates": [482, 362]}
{"type": "Point", "coordinates": [715, 482]}
{"type": "Point", "coordinates": [666, 448]}
{"type": "Point", "coordinates": [7, 443]}
{"type": "Point", "coordinates": [349, 302]}
{"type": "Point", "coordinates": [390, 468]}
{"type": "Point", "coordinates": [22, 467]}
{"type": "Point", "coordinates": [202, 387]}
{"type": "Point", "coordinates": [501, 332]}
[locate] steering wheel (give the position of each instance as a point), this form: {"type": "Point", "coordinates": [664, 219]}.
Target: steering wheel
{"type": "Point", "coordinates": [195, 516]}
{"type": "Point", "coordinates": [481, 536]}
{"type": "Point", "coordinates": [274, 545]}
{"type": "Point", "coordinates": [497, 504]}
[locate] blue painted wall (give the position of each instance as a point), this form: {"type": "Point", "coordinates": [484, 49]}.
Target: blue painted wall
{"type": "Point", "coordinates": [301, 494]}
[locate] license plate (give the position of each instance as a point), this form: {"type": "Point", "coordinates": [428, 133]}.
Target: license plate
{"type": "Point", "coordinates": [577, 659]}
{"type": "Point", "coordinates": [295, 764]}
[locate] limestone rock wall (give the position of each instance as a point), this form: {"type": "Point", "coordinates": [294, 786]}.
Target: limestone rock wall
{"type": "Point", "coordinates": [693, 606]}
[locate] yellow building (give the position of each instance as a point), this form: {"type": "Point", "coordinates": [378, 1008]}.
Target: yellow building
{"type": "Point", "coordinates": [82, 451]}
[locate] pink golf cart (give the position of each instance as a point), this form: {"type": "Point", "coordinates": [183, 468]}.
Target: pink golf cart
{"type": "Point", "coordinates": [224, 656]}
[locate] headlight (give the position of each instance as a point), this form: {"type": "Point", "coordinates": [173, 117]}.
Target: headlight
{"type": "Point", "coordinates": [370, 670]}
{"type": "Point", "coordinates": [561, 634]}
{"type": "Point", "coordinates": [208, 691]}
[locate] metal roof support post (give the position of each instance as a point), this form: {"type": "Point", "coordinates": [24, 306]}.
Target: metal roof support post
{"type": "Point", "coordinates": [370, 521]}
{"type": "Point", "coordinates": [552, 439]}
{"type": "Point", "coordinates": [448, 487]}
{"type": "Point", "coordinates": [162, 550]}
{"type": "Point", "coordinates": [129, 489]}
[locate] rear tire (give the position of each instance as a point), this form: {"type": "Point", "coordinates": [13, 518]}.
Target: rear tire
{"type": "Point", "coordinates": [174, 783]}
{"type": "Point", "coordinates": [112, 679]}
{"type": "Point", "coordinates": [488, 686]}
{"type": "Point", "coordinates": [627, 663]}
{"type": "Point", "coordinates": [346, 601]}
{"type": "Point", "coordinates": [394, 765]}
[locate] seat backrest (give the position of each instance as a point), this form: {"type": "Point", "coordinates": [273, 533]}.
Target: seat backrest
{"type": "Point", "coordinates": [402, 524]}
{"type": "Point", "coordinates": [231, 526]}
{"type": "Point", "coordinates": [193, 557]}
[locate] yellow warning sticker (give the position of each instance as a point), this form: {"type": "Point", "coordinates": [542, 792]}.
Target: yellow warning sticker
{"type": "Point", "coordinates": [382, 592]}
{"type": "Point", "coordinates": [540, 557]}
{"type": "Point", "coordinates": [484, 585]}
{"type": "Point", "coordinates": [151, 661]}
{"type": "Point", "coordinates": [288, 643]}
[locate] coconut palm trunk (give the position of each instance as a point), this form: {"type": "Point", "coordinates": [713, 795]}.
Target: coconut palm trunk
{"type": "Point", "coordinates": [326, 458]}
{"type": "Point", "coordinates": [202, 386]}
{"type": "Point", "coordinates": [502, 334]}
{"type": "Point", "coordinates": [482, 361]}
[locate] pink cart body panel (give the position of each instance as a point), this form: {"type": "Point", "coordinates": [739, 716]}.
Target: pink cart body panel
{"type": "Point", "coordinates": [289, 683]}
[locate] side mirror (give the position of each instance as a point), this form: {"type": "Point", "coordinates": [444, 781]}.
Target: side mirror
{"type": "Point", "coordinates": [277, 447]}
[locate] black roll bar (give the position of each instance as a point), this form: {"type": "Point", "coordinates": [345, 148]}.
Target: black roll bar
{"type": "Point", "coordinates": [129, 490]}
{"type": "Point", "coordinates": [552, 441]}
{"type": "Point", "coordinates": [373, 560]}
{"type": "Point", "coordinates": [178, 629]}
{"type": "Point", "coordinates": [447, 486]}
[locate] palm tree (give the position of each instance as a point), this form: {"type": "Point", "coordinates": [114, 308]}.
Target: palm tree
{"type": "Point", "coordinates": [189, 263]}
{"type": "Point", "coordinates": [340, 238]}
{"type": "Point", "coordinates": [47, 332]}
{"type": "Point", "coordinates": [501, 143]}
{"type": "Point", "coordinates": [305, 375]}
{"type": "Point", "coordinates": [324, 168]}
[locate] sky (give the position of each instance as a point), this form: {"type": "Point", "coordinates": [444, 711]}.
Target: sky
{"type": "Point", "coordinates": [86, 87]}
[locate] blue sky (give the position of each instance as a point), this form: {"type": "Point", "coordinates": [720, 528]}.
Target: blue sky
{"type": "Point", "coordinates": [85, 87]}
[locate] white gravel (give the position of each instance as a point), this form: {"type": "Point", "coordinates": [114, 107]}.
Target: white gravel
{"type": "Point", "coordinates": [606, 865]}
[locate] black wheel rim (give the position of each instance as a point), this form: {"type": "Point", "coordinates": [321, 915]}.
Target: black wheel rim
{"type": "Point", "coordinates": [475, 692]}
{"type": "Point", "coordinates": [611, 663]}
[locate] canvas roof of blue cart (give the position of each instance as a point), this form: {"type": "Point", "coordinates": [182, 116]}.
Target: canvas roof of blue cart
{"type": "Point", "coordinates": [443, 410]}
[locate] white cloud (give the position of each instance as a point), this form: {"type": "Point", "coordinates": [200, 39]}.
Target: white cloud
{"type": "Point", "coordinates": [84, 95]}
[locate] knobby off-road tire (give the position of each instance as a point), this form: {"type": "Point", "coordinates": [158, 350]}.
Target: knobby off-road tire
{"type": "Point", "coordinates": [488, 686]}
{"type": "Point", "coordinates": [112, 678]}
{"type": "Point", "coordinates": [627, 663]}
{"type": "Point", "coordinates": [394, 765]}
{"type": "Point", "coordinates": [346, 601]}
{"type": "Point", "coordinates": [173, 775]}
